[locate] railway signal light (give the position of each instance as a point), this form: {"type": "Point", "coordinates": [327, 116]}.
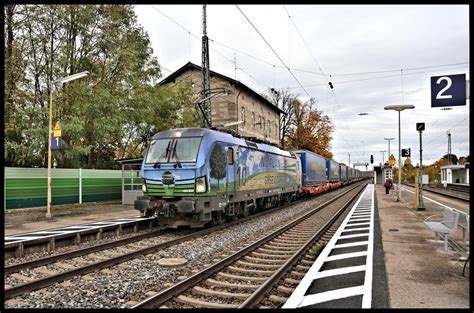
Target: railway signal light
{"type": "Point", "coordinates": [371, 159]}
{"type": "Point", "coordinates": [330, 85]}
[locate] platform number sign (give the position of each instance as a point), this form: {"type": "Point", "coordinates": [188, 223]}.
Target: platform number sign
{"type": "Point", "coordinates": [55, 143]}
{"type": "Point", "coordinates": [448, 90]}
{"type": "Point", "coordinates": [420, 126]}
{"type": "Point", "coordinates": [406, 152]}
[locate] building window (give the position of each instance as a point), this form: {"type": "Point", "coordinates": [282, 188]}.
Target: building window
{"type": "Point", "coordinates": [243, 115]}
{"type": "Point", "coordinates": [269, 128]}
{"type": "Point", "coordinates": [253, 119]}
{"type": "Point", "coordinates": [260, 121]}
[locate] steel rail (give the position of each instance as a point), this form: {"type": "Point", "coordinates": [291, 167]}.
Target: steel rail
{"type": "Point", "coordinates": [260, 292]}
{"type": "Point", "coordinates": [46, 281]}
{"type": "Point", "coordinates": [180, 287]}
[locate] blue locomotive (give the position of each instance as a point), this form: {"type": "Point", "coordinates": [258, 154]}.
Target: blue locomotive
{"type": "Point", "coordinates": [195, 176]}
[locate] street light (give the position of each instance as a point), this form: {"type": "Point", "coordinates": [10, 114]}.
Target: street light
{"type": "Point", "coordinates": [399, 108]}
{"type": "Point", "coordinates": [388, 146]}
{"type": "Point", "coordinates": [62, 81]}
{"type": "Point", "coordinates": [383, 156]}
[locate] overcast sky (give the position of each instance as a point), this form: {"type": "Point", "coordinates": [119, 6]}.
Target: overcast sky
{"type": "Point", "coordinates": [375, 55]}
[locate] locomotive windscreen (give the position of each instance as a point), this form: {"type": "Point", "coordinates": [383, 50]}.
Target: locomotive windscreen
{"type": "Point", "coordinates": [173, 150]}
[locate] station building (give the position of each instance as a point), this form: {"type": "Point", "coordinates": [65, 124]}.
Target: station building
{"type": "Point", "coordinates": [452, 174]}
{"type": "Point", "coordinates": [259, 117]}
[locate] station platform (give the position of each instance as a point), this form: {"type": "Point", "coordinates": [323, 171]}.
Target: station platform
{"type": "Point", "coordinates": [384, 258]}
{"type": "Point", "coordinates": [60, 222]}
{"type": "Point", "coordinates": [419, 272]}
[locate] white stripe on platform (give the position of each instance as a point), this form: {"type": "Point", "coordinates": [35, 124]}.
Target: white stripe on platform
{"type": "Point", "coordinates": [346, 256]}
{"type": "Point", "coordinates": [354, 236]}
{"type": "Point", "coordinates": [332, 295]}
{"type": "Point", "coordinates": [355, 229]}
{"type": "Point", "coordinates": [352, 244]}
{"type": "Point", "coordinates": [340, 271]}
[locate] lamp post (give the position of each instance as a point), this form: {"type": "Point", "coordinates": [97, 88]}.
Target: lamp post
{"type": "Point", "coordinates": [383, 156]}
{"type": "Point", "coordinates": [62, 81]}
{"type": "Point", "coordinates": [399, 108]}
{"type": "Point", "coordinates": [388, 146]}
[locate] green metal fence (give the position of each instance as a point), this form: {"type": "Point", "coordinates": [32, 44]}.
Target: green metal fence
{"type": "Point", "coordinates": [28, 187]}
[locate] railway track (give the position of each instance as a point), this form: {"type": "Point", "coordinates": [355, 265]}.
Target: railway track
{"type": "Point", "coordinates": [40, 273]}
{"type": "Point", "coordinates": [453, 191]}
{"type": "Point", "coordinates": [243, 279]}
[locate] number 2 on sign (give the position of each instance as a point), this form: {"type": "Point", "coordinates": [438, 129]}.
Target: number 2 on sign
{"type": "Point", "coordinates": [449, 82]}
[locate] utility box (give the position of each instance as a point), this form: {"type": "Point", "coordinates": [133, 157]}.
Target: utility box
{"type": "Point", "coordinates": [425, 179]}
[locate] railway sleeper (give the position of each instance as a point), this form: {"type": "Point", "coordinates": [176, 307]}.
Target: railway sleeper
{"type": "Point", "coordinates": [307, 262]}
{"type": "Point", "coordinates": [273, 252]}
{"type": "Point", "coordinates": [238, 277]}
{"type": "Point", "coordinates": [303, 268]}
{"type": "Point", "coordinates": [270, 256]}
{"type": "Point", "coordinates": [265, 261]}
{"type": "Point", "coordinates": [285, 290]}
{"type": "Point", "coordinates": [284, 244]}
{"type": "Point", "coordinates": [217, 293]}
{"type": "Point", "coordinates": [269, 266]}
{"type": "Point", "coordinates": [250, 271]}
{"type": "Point", "coordinates": [292, 282]}
{"type": "Point", "coordinates": [204, 304]}
{"type": "Point", "coordinates": [44, 270]}
{"type": "Point", "coordinates": [278, 248]}
{"type": "Point", "coordinates": [277, 299]}
{"type": "Point", "coordinates": [297, 274]}
{"type": "Point", "coordinates": [288, 242]}
{"type": "Point", "coordinates": [226, 284]}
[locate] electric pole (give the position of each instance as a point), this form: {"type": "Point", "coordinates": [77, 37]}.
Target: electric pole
{"type": "Point", "coordinates": [449, 147]}
{"type": "Point", "coordinates": [205, 73]}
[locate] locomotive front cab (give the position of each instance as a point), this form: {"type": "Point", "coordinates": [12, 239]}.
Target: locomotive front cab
{"type": "Point", "coordinates": [173, 174]}
{"type": "Point", "coordinates": [179, 172]}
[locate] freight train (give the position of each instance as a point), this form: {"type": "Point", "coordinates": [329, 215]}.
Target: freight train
{"type": "Point", "coordinates": [195, 177]}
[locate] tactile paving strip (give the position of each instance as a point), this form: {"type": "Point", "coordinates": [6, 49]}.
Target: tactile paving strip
{"type": "Point", "coordinates": [70, 229]}
{"type": "Point", "coordinates": [341, 276]}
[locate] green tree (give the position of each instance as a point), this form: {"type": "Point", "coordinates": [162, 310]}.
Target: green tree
{"type": "Point", "coordinates": [452, 157]}
{"type": "Point", "coordinates": [107, 115]}
{"type": "Point", "coordinates": [218, 165]}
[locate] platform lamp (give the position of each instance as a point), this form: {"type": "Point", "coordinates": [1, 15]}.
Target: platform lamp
{"type": "Point", "coordinates": [388, 146]}
{"type": "Point", "coordinates": [50, 131]}
{"type": "Point", "coordinates": [399, 108]}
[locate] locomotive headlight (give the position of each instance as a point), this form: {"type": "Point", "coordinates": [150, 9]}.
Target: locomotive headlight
{"type": "Point", "coordinates": [144, 187]}
{"type": "Point", "coordinates": [201, 185]}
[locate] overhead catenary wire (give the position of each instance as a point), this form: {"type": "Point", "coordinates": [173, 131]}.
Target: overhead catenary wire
{"type": "Point", "coordinates": [322, 72]}
{"type": "Point", "coordinates": [271, 48]}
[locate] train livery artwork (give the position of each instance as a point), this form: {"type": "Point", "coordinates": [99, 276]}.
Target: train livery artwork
{"type": "Point", "coordinates": [195, 177]}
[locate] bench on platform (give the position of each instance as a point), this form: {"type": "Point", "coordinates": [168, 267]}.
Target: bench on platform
{"type": "Point", "coordinates": [448, 225]}
{"type": "Point", "coordinates": [463, 223]}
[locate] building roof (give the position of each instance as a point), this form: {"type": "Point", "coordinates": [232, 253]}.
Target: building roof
{"type": "Point", "coordinates": [190, 65]}
{"type": "Point", "coordinates": [456, 166]}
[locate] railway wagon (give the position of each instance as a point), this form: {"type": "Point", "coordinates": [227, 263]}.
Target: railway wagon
{"type": "Point", "coordinates": [314, 172]}
{"type": "Point", "coordinates": [333, 173]}
{"type": "Point", "coordinates": [343, 173]}
{"type": "Point", "coordinates": [195, 176]}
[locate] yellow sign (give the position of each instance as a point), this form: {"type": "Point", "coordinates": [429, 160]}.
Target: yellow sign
{"type": "Point", "coordinates": [57, 130]}
{"type": "Point", "coordinates": [391, 160]}
{"type": "Point", "coordinates": [407, 161]}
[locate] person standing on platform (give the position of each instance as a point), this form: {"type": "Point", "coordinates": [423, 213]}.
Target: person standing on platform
{"type": "Point", "coordinates": [388, 185]}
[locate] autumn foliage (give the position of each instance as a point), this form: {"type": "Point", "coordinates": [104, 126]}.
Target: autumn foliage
{"type": "Point", "coordinates": [311, 130]}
